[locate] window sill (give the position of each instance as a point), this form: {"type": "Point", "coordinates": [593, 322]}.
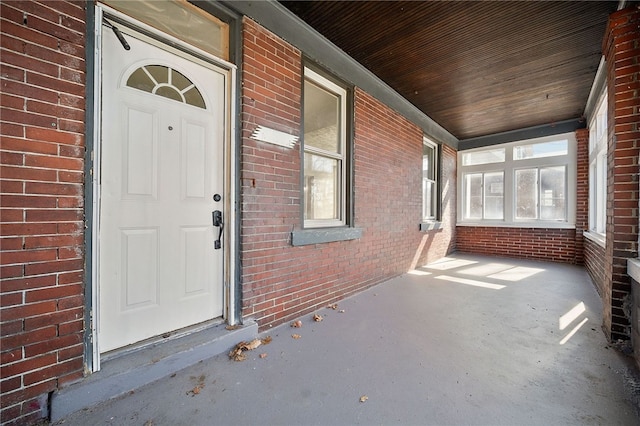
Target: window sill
{"type": "Point", "coordinates": [430, 226]}
{"type": "Point", "coordinates": [633, 269]}
{"type": "Point", "coordinates": [542, 225]}
{"type": "Point", "coordinates": [596, 238]}
{"type": "Point", "coordinates": [305, 237]}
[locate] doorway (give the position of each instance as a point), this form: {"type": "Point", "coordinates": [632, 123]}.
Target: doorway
{"type": "Point", "coordinates": [162, 174]}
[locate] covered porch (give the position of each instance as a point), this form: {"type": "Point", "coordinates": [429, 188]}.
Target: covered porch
{"type": "Point", "coordinates": [465, 340]}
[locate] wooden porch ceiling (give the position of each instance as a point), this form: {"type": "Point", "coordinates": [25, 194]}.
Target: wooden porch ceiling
{"type": "Point", "coordinates": [476, 67]}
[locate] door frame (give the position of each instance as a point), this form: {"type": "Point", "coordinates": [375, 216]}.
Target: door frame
{"type": "Point", "coordinates": [176, 46]}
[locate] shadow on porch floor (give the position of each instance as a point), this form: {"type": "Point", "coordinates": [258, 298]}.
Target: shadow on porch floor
{"type": "Point", "coordinates": [465, 340]}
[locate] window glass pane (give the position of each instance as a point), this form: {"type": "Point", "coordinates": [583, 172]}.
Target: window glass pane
{"type": "Point", "coordinates": [428, 162]}
{"type": "Point", "coordinates": [182, 20]}
{"type": "Point", "coordinates": [494, 195]}
{"type": "Point", "coordinates": [598, 168]}
{"type": "Point", "coordinates": [483, 157]}
{"type": "Point", "coordinates": [552, 193]}
{"type": "Point", "coordinates": [540, 150]}
{"type": "Point", "coordinates": [601, 196]}
{"type": "Point", "coordinates": [429, 199]}
{"type": "Point", "coordinates": [321, 187]}
{"type": "Point", "coordinates": [473, 196]}
{"type": "Point", "coordinates": [321, 118]}
{"type": "Point", "coordinates": [526, 194]}
{"type": "Point", "coordinates": [596, 196]}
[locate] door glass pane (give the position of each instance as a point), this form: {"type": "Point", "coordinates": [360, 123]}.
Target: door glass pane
{"type": "Point", "coordinates": [159, 73]}
{"type": "Point", "coordinates": [526, 194]}
{"type": "Point", "coordinates": [141, 80]}
{"type": "Point", "coordinates": [552, 193]}
{"type": "Point", "coordinates": [494, 195]}
{"type": "Point", "coordinates": [321, 187]}
{"type": "Point", "coordinates": [169, 92]}
{"type": "Point", "coordinates": [473, 196]}
{"type": "Point", "coordinates": [179, 81]}
{"type": "Point", "coordinates": [166, 82]}
{"type": "Point", "coordinates": [321, 118]}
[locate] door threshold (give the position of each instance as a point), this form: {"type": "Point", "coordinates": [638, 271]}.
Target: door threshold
{"type": "Point", "coordinates": [157, 341]}
{"type": "Point", "coordinates": [126, 370]}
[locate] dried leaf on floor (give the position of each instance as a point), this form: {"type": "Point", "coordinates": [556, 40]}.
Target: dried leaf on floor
{"type": "Point", "coordinates": [364, 398]}
{"type": "Point", "coordinates": [263, 356]}
{"type": "Point", "coordinates": [266, 340]}
{"type": "Point", "coordinates": [296, 324]}
{"type": "Point", "coordinates": [237, 353]}
{"type": "Point", "coordinates": [148, 423]}
{"type": "Point", "coordinates": [333, 306]}
{"type": "Point", "coordinates": [196, 390]}
{"type": "Point", "coordinates": [341, 311]}
{"type": "Point", "coordinates": [296, 336]}
{"type": "Point", "coordinates": [317, 318]}
{"type": "Point", "coordinates": [252, 344]}
{"type": "Point", "coordinates": [233, 327]}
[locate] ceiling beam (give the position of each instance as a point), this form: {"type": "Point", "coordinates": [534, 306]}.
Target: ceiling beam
{"type": "Point", "coordinates": [523, 134]}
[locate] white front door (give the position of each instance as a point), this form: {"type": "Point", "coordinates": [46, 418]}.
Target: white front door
{"type": "Point", "coordinates": [162, 159]}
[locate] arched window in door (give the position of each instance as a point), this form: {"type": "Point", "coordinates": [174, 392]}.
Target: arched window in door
{"type": "Point", "coordinates": [167, 82]}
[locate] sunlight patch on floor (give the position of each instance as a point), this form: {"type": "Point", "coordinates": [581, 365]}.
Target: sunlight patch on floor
{"type": "Point", "coordinates": [574, 331]}
{"type": "Point", "coordinates": [516, 274]}
{"type": "Point", "coordinates": [474, 283]}
{"type": "Point", "coordinates": [565, 320]}
{"type": "Point", "coordinates": [447, 263]}
{"type": "Point", "coordinates": [485, 270]}
{"type": "Point", "coordinates": [418, 272]}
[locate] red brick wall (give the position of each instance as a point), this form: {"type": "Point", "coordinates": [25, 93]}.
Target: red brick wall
{"type": "Point", "coordinates": [281, 281]}
{"type": "Point", "coordinates": [594, 262]}
{"type": "Point", "coordinates": [42, 114]}
{"type": "Point", "coordinates": [555, 245]}
{"type": "Point", "coordinates": [621, 47]}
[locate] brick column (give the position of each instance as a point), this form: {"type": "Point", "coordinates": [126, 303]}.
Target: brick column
{"type": "Point", "coordinates": [582, 192]}
{"type": "Point", "coordinates": [621, 47]}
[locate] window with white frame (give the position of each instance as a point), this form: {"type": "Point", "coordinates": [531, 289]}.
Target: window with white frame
{"type": "Point", "coordinates": [598, 169]}
{"type": "Point", "coordinates": [325, 134]}
{"type": "Point", "coordinates": [429, 180]}
{"type": "Point", "coordinates": [524, 183]}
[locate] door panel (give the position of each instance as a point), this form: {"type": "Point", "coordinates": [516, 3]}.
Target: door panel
{"type": "Point", "coordinates": [161, 163]}
{"type": "Point", "coordinates": [140, 154]}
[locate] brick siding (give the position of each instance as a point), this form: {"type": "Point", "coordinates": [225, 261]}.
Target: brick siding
{"type": "Point", "coordinates": [281, 281]}
{"type": "Point", "coordinates": [43, 107]}
{"type": "Point", "coordinates": [621, 47]}
{"type": "Point", "coordinates": [555, 245]}
{"type": "Point", "coordinates": [594, 262]}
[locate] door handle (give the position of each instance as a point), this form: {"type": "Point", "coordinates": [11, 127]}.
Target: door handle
{"type": "Point", "coordinates": [217, 221]}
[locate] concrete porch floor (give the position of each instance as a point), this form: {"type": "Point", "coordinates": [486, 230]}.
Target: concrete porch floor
{"type": "Point", "coordinates": [468, 340]}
